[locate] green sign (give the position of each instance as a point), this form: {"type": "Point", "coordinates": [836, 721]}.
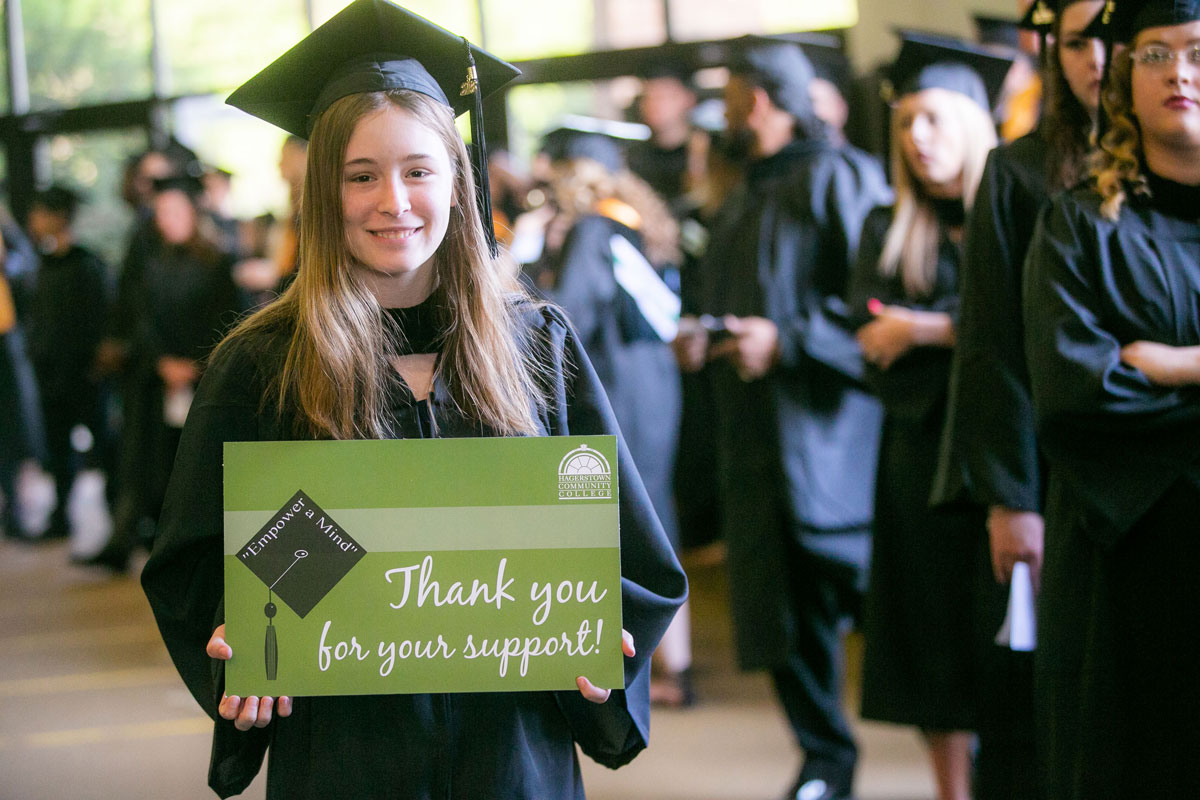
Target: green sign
{"type": "Point", "coordinates": [412, 566]}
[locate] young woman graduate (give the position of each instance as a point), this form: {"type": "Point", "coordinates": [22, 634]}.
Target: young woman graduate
{"type": "Point", "coordinates": [398, 297]}
{"type": "Point", "coordinates": [918, 665]}
{"type": "Point", "coordinates": [1112, 336]}
{"type": "Point", "coordinates": [989, 448]}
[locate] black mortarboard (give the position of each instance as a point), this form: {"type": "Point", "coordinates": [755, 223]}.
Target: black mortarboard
{"type": "Point", "coordinates": [828, 58]}
{"type": "Point", "coordinates": [375, 45]}
{"type": "Point", "coordinates": [997, 31]}
{"type": "Point", "coordinates": [1122, 20]}
{"type": "Point", "coordinates": [190, 185]}
{"type": "Point", "coordinates": [300, 558]}
{"type": "Point", "coordinates": [58, 200]}
{"type": "Point", "coordinates": [929, 61]}
{"type": "Point", "coordinates": [653, 69]}
{"type": "Point", "coordinates": [603, 141]}
{"type": "Point", "coordinates": [780, 68]}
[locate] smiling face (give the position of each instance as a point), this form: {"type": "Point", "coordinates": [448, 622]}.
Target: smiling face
{"type": "Point", "coordinates": [397, 192]}
{"type": "Point", "coordinates": [933, 140]}
{"type": "Point", "coordinates": [1166, 97]}
{"type": "Point", "coordinates": [1081, 58]}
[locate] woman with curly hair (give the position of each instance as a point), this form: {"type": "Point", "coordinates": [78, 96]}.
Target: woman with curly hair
{"type": "Point", "coordinates": [1113, 345]}
{"type": "Point", "coordinates": [607, 218]}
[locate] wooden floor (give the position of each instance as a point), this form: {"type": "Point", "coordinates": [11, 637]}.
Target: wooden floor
{"type": "Point", "coordinates": [90, 706]}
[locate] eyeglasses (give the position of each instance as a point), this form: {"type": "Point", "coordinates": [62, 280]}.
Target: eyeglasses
{"type": "Point", "coordinates": [1159, 56]}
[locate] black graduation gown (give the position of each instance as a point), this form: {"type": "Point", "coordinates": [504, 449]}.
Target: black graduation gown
{"type": "Point", "coordinates": [990, 451]}
{"type": "Point", "coordinates": [635, 366]}
{"type": "Point", "coordinates": [181, 303]}
{"type": "Point", "coordinates": [67, 319]}
{"type": "Point", "coordinates": [918, 664]}
{"type": "Point", "coordinates": [797, 448]}
{"type": "Point", "coordinates": [505, 745]}
{"type": "Point", "coordinates": [663, 169]}
{"type": "Point", "coordinates": [1119, 616]}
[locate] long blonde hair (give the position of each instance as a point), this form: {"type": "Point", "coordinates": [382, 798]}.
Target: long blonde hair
{"type": "Point", "coordinates": [1116, 164]}
{"type": "Point", "coordinates": [580, 185]}
{"type": "Point", "coordinates": [911, 244]}
{"type": "Point", "coordinates": [337, 375]}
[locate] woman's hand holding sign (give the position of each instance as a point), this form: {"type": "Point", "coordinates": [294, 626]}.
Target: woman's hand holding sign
{"type": "Point", "coordinates": [246, 712]}
{"type": "Point", "coordinates": [585, 686]}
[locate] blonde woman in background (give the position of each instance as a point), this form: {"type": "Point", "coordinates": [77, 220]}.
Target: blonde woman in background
{"type": "Point", "coordinates": [918, 666]}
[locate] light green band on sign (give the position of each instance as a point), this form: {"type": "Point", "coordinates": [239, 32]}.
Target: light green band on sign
{"type": "Point", "coordinates": [382, 530]}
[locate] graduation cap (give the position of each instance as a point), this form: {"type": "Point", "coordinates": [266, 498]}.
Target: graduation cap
{"type": "Point", "coordinates": [371, 46]}
{"type": "Point", "coordinates": [997, 31]}
{"type": "Point", "coordinates": [300, 554]}
{"type": "Point", "coordinates": [191, 185]}
{"type": "Point", "coordinates": [601, 140]}
{"type": "Point", "coordinates": [929, 61]}
{"type": "Point", "coordinates": [780, 67]}
{"type": "Point", "coordinates": [1122, 20]}
{"type": "Point", "coordinates": [1040, 16]}
{"type": "Point", "coordinates": [654, 69]}
{"type": "Point", "coordinates": [827, 55]}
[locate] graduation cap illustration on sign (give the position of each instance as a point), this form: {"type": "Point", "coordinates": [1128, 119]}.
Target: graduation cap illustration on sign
{"type": "Point", "coordinates": [300, 554]}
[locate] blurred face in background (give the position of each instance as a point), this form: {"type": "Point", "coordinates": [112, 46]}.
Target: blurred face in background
{"type": "Point", "coordinates": [829, 105]}
{"type": "Point", "coordinates": [154, 165]}
{"type": "Point", "coordinates": [933, 140]}
{"type": "Point", "coordinates": [45, 224]}
{"type": "Point", "coordinates": [1081, 58]}
{"type": "Point", "coordinates": [175, 216]}
{"type": "Point", "coordinates": [665, 103]}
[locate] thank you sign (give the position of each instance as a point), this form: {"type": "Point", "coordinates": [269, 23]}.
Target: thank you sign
{"type": "Point", "coordinates": [439, 565]}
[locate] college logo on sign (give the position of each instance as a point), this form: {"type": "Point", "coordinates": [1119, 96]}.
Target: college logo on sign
{"type": "Point", "coordinates": [584, 474]}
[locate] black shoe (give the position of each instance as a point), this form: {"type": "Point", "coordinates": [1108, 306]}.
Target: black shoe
{"type": "Point", "coordinates": [114, 556]}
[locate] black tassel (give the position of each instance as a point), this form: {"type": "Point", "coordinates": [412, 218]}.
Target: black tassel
{"type": "Point", "coordinates": [483, 190]}
{"type": "Point", "coordinates": [271, 645]}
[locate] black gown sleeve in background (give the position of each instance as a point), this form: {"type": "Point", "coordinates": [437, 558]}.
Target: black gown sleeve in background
{"type": "Point", "coordinates": [989, 449]}
{"type": "Point", "coordinates": [843, 192]}
{"type": "Point", "coordinates": [1091, 287]}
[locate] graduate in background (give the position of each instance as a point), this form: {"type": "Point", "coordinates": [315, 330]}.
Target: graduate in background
{"type": "Point", "coordinates": [796, 430]}
{"type": "Point", "coordinates": [918, 667]}
{"type": "Point", "coordinates": [67, 321]}
{"type": "Point", "coordinates": [665, 105]}
{"type": "Point", "coordinates": [989, 448]}
{"type": "Point", "coordinates": [1112, 336]}
{"type": "Point", "coordinates": [612, 224]}
{"type": "Point", "coordinates": [184, 301]}
{"type": "Point", "coordinates": [398, 295]}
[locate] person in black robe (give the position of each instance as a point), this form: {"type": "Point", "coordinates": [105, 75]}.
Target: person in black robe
{"type": "Point", "coordinates": [608, 215]}
{"type": "Point", "coordinates": [22, 435]}
{"type": "Point", "coordinates": [1112, 337]}
{"type": "Point", "coordinates": [989, 447]}
{"type": "Point", "coordinates": [185, 301]}
{"type": "Point", "coordinates": [919, 661]}
{"type": "Point", "coordinates": [398, 165]}
{"type": "Point", "coordinates": [67, 318]}
{"type": "Point", "coordinates": [796, 430]}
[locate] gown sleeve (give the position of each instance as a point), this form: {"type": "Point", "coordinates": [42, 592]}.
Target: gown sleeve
{"type": "Point", "coordinates": [653, 585]}
{"type": "Point", "coordinates": [586, 287]}
{"type": "Point", "coordinates": [1118, 440]}
{"type": "Point", "coordinates": [184, 579]}
{"type": "Point", "coordinates": [843, 192]}
{"type": "Point", "coordinates": [990, 434]}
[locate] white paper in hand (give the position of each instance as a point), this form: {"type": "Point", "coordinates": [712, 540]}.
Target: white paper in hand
{"type": "Point", "coordinates": [1019, 631]}
{"type": "Point", "coordinates": [658, 304]}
